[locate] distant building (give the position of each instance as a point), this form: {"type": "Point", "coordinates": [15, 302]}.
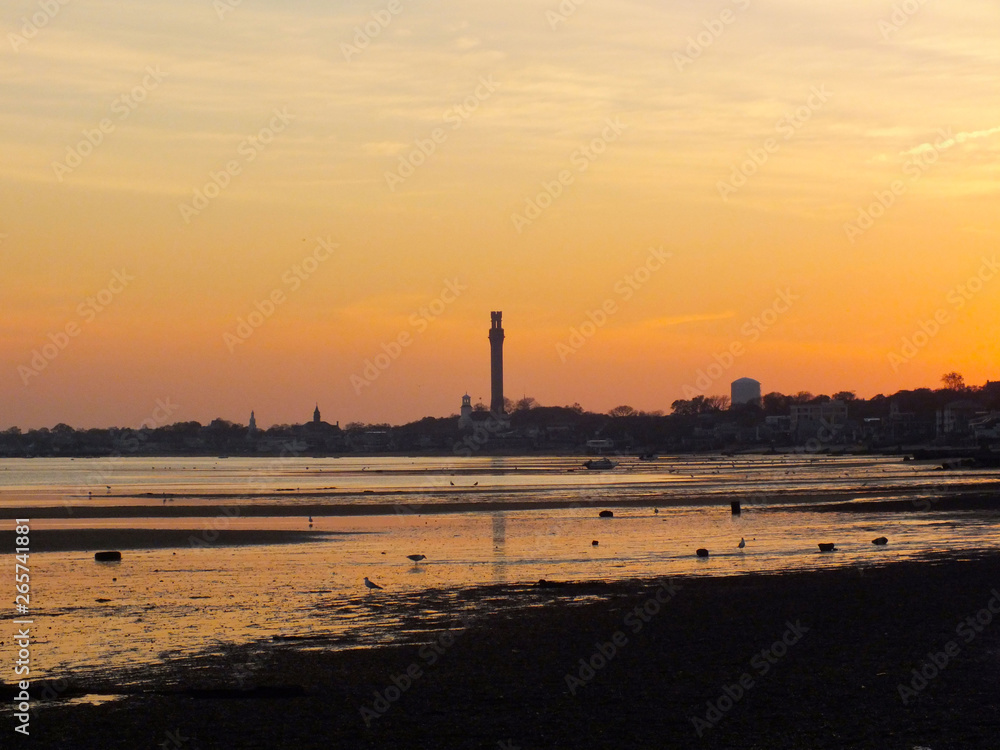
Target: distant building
{"type": "Point", "coordinates": [316, 417]}
{"type": "Point", "coordinates": [824, 420]}
{"type": "Point", "coordinates": [745, 391]}
{"type": "Point", "coordinates": [465, 419]}
{"type": "Point", "coordinates": [496, 363]}
{"type": "Point", "coordinates": [253, 423]}
{"type": "Point", "coordinates": [955, 418]}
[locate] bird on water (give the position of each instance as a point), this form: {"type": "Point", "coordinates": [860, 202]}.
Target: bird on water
{"type": "Point", "coordinates": [416, 558]}
{"type": "Point", "coordinates": [742, 543]}
{"type": "Point", "coordinates": [370, 584]}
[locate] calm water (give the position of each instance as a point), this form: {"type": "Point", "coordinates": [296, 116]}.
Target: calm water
{"type": "Point", "coordinates": [160, 602]}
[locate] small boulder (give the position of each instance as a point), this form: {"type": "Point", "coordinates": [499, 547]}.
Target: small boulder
{"type": "Point", "coordinates": [880, 540]}
{"type": "Point", "coordinates": [110, 556]}
{"type": "Point", "coordinates": [595, 543]}
{"type": "Point", "coordinates": [606, 514]}
{"type": "Point", "coordinates": [701, 552]}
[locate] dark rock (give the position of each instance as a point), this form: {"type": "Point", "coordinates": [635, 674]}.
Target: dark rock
{"type": "Point", "coordinates": [701, 552]}
{"type": "Point", "coordinates": [606, 514]}
{"type": "Point", "coordinates": [880, 540]}
{"type": "Point", "coordinates": [110, 556]}
{"type": "Point", "coordinates": [826, 547]}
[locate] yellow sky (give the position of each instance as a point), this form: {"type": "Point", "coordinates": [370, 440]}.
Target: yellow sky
{"type": "Point", "coordinates": [365, 160]}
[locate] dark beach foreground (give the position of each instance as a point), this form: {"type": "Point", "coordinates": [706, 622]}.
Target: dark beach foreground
{"type": "Point", "coordinates": [804, 661]}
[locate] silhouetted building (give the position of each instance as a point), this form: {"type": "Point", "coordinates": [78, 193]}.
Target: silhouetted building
{"type": "Point", "coordinates": [824, 420]}
{"type": "Point", "coordinates": [253, 423]}
{"type": "Point", "coordinates": [465, 419]}
{"type": "Point", "coordinates": [316, 418]}
{"type": "Point", "coordinates": [745, 391]}
{"type": "Point", "coordinates": [496, 363]}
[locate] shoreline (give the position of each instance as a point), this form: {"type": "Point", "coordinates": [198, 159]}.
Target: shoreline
{"type": "Point", "coordinates": [518, 670]}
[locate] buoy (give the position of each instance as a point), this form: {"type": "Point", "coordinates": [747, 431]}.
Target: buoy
{"type": "Point", "coordinates": [701, 552]}
{"type": "Point", "coordinates": [735, 506]}
{"type": "Point", "coordinates": [595, 543]}
{"type": "Point", "coordinates": [606, 514]}
{"type": "Point", "coordinates": [826, 547]}
{"type": "Point", "coordinates": [110, 556]}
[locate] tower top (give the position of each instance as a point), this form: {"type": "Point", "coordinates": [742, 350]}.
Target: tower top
{"type": "Point", "coordinates": [495, 319]}
{"type": "Point", "coordinates": [316, 417]}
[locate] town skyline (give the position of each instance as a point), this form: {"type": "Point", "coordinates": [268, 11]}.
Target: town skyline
{"type": "Point", "coordinates": [165, 412]}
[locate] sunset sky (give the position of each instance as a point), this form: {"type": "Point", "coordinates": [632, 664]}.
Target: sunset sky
{"type": "Point", "coordinates": [711, 170]}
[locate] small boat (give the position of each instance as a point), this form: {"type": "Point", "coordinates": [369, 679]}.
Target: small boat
{"type": "Point", "coordinates": [600, 463]}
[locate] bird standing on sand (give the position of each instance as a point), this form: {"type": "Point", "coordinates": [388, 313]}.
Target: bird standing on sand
{"type": "Point", "coordinates": [416, 558]}
{"type": "Point", "coordinates": [742, 543]}
{"type": "Point", "coordinates": [369, 585]}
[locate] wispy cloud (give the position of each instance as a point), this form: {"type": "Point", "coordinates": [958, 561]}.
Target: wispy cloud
{"type": "Point", "coordinates": [951, 141]}
{"type": "Point", "coordinates": [676, 320]}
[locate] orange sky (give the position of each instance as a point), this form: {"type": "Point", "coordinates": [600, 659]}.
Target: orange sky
{"type": "Point", "coordinates": [524, 156]}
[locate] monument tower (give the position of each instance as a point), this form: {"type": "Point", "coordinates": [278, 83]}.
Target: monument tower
{"type": "Point", "coordinates": [496, 364]}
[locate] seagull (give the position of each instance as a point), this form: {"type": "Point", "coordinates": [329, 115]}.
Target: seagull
{"type": "Point", "coordinates": [742, 543]}
{"type": "Point", "coordinates": [370, 585]}
{"type": "Point", "coordinates": [416, 558]}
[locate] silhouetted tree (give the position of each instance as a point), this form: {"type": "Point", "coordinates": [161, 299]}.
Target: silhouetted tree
{"type": "Point", "coordinates": [525, 404]}
{"type": "Point", "coordinates": [718, 403]}
{"type": "Point", "coordinates": [622, 411]}
{"type": "Point", "coordinates": [953, 381]}
{"type": "Point", "coordinates": [844, 396]}
{"type": "Point", "coordinates": [776, 404]}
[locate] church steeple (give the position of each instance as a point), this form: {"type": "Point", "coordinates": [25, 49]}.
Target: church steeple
{"type": "Point", "coordinates": [253, 423]}
{"type": "Point", "coordinates": [316, 419]}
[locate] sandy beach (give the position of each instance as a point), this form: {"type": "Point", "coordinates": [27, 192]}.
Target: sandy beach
{"type": "Point", "coordinates": [799, 661]}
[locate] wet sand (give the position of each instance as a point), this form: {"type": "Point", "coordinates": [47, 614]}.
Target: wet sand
{"type": "Point", "coordinates": [802, 661]}
{"type": "Point", "coordinates": [67, 540]}
{"type": "Point", "coordinates": [959, 497]}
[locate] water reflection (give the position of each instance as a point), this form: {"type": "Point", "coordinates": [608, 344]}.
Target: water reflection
{"type": "Point", "coordinates": [499, 565]}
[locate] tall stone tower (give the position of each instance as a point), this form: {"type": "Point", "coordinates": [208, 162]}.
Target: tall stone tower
{"type": "Point", "coordinates": [496, 364]}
